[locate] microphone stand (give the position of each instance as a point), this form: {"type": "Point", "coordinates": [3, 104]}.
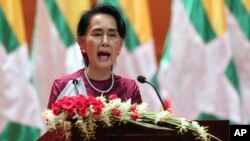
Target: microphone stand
{"type": "Point", "coordinates": [157, 95]}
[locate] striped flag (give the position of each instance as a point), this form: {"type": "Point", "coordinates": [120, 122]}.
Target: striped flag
{"type": "Point", "coordinates": [239, 38]}
{"type": "Point", "coordinates": [55, 51]}
{"type": "Point", "coordinates": [205, 66]}
{"type": "Point", "coordinates": [19, 105]}
{"type": "Point", "coordinates": [138, 54]}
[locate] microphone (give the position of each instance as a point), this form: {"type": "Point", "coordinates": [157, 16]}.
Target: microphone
{"type": "Point", "coordinates": [142, 79]}
{"type": "Point", "coordinates": [75, 83]}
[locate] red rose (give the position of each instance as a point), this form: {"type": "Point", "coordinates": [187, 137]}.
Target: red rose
{"type": "Point", "coordinates": [70, 112]}
{"type": "Point", "coordinates": [116, 112]}
{"type": "Point", "coordinates": [67, 103]}
{"type": "Point", "coordinates": [56, 109]}
{"type": "Point", "coordinates": [133, 107]}
{"type": "Point", "coordinates": [60, 101]}
{"type": "Point", "coordinates": [81, 102]}
{"type": "Point", "coordinates": [134, 116]}
{"type": "Point", "coordinates": [84, 112]}
{"type": "Point", "coordinates": [95, 102]}
{"type": "Point", "coordinates": [81, 98]}
{"type": "Point", "coordinates": [79, 105]}
{"type": "Point", "coordinates": [97, 110]}
{"type": "Point", "coordinates": [167, 104]}
{"type": "Point", "coordinates": [97, 105]}
{"type": "Point", "coordinates": [112, 96]}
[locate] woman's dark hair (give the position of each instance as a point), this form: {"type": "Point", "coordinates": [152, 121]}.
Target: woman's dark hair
{"type": "Point", "coordinates": [100, 9]}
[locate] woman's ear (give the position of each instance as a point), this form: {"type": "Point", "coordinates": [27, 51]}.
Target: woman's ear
{"type": "Point", "coordinates": [81, 42]}
{"type": "Point", "coordinates": [120, 48]}
{"type": "Point", "coordinates": [119, 52]}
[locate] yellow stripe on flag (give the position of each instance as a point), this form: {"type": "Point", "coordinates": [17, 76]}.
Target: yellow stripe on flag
{"type": "Point", "coordinates": [72, 10]}
{"type": "Point", "coordinates": [13, 12]}
{"type": "Point", "coordinates": [135, 9]}
{"type": "Point", "coordinates": [246, 3]}
{"type": "Point", "coordinates": [216, 15]}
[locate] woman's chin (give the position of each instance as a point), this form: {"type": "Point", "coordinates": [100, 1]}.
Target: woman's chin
{"type": "Point", "coordinates": [105, 65]}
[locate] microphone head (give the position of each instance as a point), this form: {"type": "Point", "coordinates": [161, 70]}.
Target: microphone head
{"type": "Point", "coordinates": [141, 79]}
{"type": "Point", "coordinates": [75, 81]}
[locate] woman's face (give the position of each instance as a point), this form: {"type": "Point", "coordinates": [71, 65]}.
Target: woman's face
{"type": "Point", "coordinates": [102, 41]}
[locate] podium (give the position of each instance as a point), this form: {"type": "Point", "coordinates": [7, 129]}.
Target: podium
{"type": "Point", "coordinates": [132, 132]}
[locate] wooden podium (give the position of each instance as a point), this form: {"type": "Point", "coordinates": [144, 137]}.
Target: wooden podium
{"type": "Point", "coordinates": [132, 132]}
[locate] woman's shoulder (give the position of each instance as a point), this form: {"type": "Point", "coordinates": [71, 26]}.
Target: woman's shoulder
{"type": "Point", "coordinates": [124, 80]}
{"type": "Point", "coordinates": [71, 76]}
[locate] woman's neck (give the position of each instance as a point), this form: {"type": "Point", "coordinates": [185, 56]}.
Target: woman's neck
{"type": "Point", "coordinates": [98, 74]}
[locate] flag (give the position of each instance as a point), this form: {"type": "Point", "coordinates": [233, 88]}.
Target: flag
{"type": "Point", "coordinates": [19, 105]}
{"type": "Point", "coordinates": [54, 50]}
{"type": "Point", "coordinates": [205, 61]}
{"type": "Point", "coordinates": [138, 53]}
{"type": "Point", "coordinates": [239, 32]}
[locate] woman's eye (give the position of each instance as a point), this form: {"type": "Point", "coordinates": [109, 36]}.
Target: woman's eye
{"type": "Point", "coordinates": [96, 34]}
{"type": "Point", "coordinates": [112, 34]}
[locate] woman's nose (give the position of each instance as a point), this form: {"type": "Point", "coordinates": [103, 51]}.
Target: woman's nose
{"type": "Point", "coordinates": [105, 42]}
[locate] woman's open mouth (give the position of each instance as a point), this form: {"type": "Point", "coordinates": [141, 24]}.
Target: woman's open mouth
{"type": "Point", "coordinates": [103, 55]}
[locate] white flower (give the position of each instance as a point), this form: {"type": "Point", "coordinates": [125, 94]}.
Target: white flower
{"type": "Point", "coordinates": [141, 108]}
{"type": "Point", "coordinates": [102, 99]}
{"type": "Point", "coordinates": [89, 123]}
{"type": "Point", "coordinates": [105, 118]}
{"type": "Point", "coordinates": [125, 107]}
{"type": "Point", "coordinates": [114, 103]}
{"type": "Point", "coordinates": [50, 119]}
{"type": "Point", "coordinates": [183, 125]}
{"type": "Point", "coordinates": [77, 116]}
{"type": "Point", "coordinates": [48, 114]}
{"type": "Point", "coordinates": [161, 116]}
{"type": "Point", "coordinates": [202, 133]}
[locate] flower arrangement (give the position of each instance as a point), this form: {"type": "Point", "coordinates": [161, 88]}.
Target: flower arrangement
{"type": "Point", "coordinates": [89, 112]}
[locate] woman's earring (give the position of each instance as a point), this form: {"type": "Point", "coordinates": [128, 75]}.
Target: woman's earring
{"type": "Point", "coordinates": [84, 54]}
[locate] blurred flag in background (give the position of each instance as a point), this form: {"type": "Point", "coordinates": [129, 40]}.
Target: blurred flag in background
{"type": "Point", "coordinates": [138, 54]}
{"type": "Point", "coordinates": [238, 21]}
{"type": "Point", "coordinates": [19, 105]}
{"type": "Point", "coordinates": [206, 61]}
{"type": "Point", "coordinates": [54, 49]}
